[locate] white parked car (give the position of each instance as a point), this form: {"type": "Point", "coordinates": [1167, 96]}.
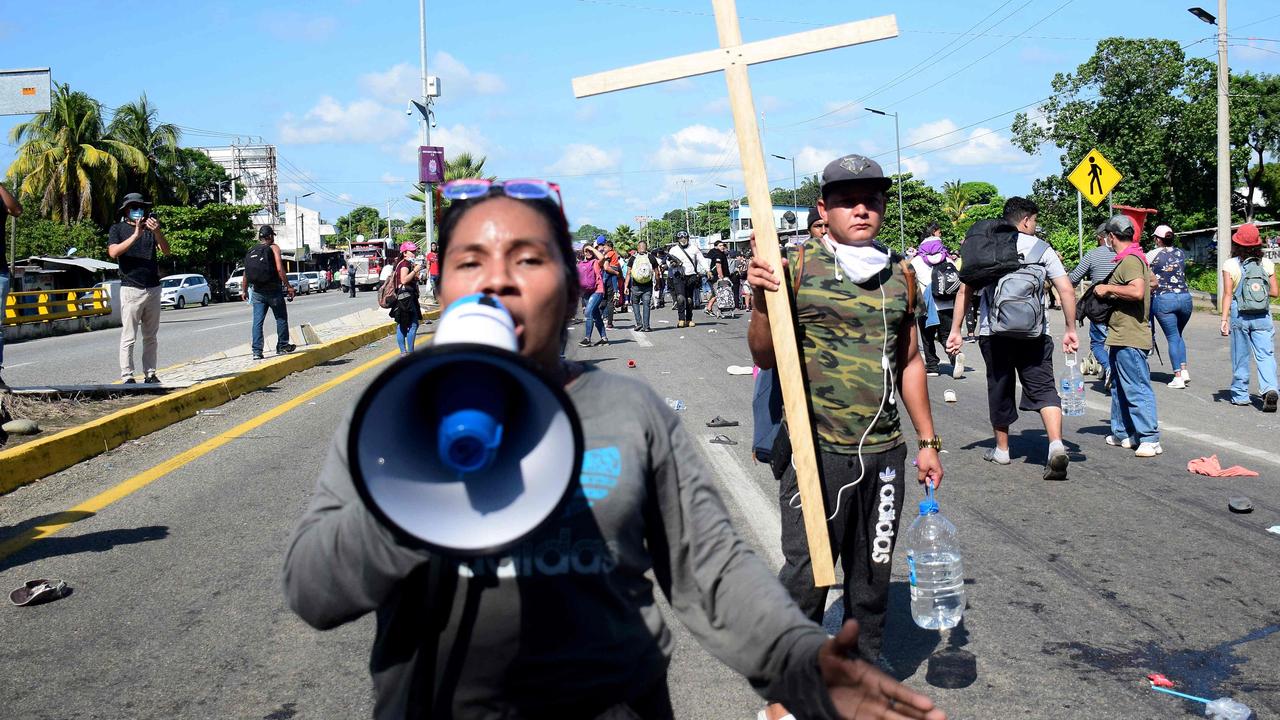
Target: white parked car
{"type": "Point", "coordinates": [183, 290]}
{"type": "Point", "coordinates": [316, 279]}
{"type": "Point", "coordinates": [232, 288]}
{"type": "Point", "coordinates": [301, 286]}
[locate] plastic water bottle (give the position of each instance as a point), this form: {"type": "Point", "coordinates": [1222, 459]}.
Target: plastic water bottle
{"type": "Point", "coordinates": [936, 568]}
{"type": "Point", "coordinates": [1073, 389]}
{"type": "Point", "coordinates": [675, 404]}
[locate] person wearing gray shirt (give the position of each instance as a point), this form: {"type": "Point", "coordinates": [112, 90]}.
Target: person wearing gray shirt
{"type": "Point", "coordinates": [1096, 265]}
{"type": "Point", "coordinates": [566, 624]}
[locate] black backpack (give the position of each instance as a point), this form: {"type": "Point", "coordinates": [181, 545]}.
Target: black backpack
{"type": "Point", "coordinates": [945, 280]}
{"type": "Point", "coordinates": [260, 265]}
{"type": "Point", "coordinates": [989, 252]}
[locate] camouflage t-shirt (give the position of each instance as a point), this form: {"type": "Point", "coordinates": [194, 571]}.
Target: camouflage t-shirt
{"type": "Point", "coordinates": [841, 334]}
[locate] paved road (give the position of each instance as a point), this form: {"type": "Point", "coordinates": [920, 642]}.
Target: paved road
{"type": "Point", "coordinates": [1076, 590]}
{"type": "Point", "coordinates": [187, 334]}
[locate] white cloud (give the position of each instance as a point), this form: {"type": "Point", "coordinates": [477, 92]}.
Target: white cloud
{"type": "Point", "coordinates": [980, 146]}
{"type": "Point", "coordinates": [394, 86]}
{"type": "Point", "coordinates": [455, 139]}
{"type": "Point", "coordinates": [610, 187]}
{"type": "Point", "coordinates": [391, 178]}
{"type": "Point", "coordinates": [697, 146]}
{"type": "Point", "coordinates": [918, 167]}
{"type": "Point", "coordinates": [457, 79]}
{"type": "Point", "coordinates": [581, 159]}
{"type": "Point", "coordinates": [361, 121]}
{"type": "Point", "coordinates": [812, 160]}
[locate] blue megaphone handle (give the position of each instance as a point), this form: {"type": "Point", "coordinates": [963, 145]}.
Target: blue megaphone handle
{"type": "Point", "coordinates": [473, 409]}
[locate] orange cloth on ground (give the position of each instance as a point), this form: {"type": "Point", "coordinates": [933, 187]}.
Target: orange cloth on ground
{"type": "Point", "coordinates": [1211, 467]}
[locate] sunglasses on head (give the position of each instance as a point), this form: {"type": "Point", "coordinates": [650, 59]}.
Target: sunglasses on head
{"type": "Point", "coordinates": [521, 189]}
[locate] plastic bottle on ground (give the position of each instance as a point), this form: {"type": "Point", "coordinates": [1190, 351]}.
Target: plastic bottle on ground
{"type": "Point", "coordinates": [936, 568]}
{"type": "Point", "coordinates": [675, 404]}
{"type": "Point", "coordinates": [1073, 388]}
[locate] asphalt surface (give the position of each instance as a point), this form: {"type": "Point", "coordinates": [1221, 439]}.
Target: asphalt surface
{"type": "Point", "coordinates": [1076, 590]}
{"type": "Point", "coordinates": [188, 334]}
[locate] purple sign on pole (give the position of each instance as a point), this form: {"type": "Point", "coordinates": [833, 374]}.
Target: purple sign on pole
{"type": "Point", "coordinates": [430, 164]}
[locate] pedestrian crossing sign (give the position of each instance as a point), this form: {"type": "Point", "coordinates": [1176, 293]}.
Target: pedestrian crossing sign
{"type": "Point", "coordinates": [1095, 177]}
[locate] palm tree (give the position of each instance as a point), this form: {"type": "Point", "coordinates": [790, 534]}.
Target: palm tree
{"type": "Point", "coordinates": [956, 200]}
{"type": "Point", "coordinates": [136, 123]}
{"type": "Point", "coordinates": [69, 162]}
{"type": "Point", "coordinates": [624, 238]}
{"type": "Point", "coordinates": [463, 166]}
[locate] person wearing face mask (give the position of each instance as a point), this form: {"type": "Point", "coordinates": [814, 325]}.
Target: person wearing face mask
{"type": "Point", "coordinates": [533, 633]}
{"type": "Point", "coordinates": [856, 304]}
{"type": "Point", "coordinates": [691, 265]}
{"type": "Point", "coordinates": [133, 243]}
{"type": "Point", "coordinates": [1096, 265]}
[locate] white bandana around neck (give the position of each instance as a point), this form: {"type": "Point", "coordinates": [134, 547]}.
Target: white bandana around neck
{"type": "Point", "coordinates": [859, 263]}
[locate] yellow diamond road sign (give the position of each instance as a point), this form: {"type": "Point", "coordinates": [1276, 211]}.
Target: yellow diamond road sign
{"type": "Point", "coordinates": [1094, 177]}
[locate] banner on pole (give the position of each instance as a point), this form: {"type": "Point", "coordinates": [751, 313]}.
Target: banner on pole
{"type": "Point", "coordinates": [430, 164]}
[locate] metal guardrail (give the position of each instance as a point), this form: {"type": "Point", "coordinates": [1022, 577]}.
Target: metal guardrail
{"type": "Point", "coordinates": [46, 305]}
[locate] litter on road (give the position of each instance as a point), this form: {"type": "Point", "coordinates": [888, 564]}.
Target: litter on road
{"type": "Point", "coordinates": [1211, 467]}
{"type": "Point", "coordinates": [34, 592]}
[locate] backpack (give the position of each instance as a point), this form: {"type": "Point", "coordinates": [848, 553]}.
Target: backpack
{"type": "Point", "coordinates": [1253, 295]}
{"type": "Point", "coordinates": [641, 269]}
{"type": "Point", "coordinates": [387, 293]}
{"type": "Point", "coordinates": [990, 251]}
{"type": "Point", "coordinates": [945, 280]}
{"type": "Point", "coordinates": [260, 266]}
{"type": "Point", "coordinates": [1016, 302]}
{"type": "Point", "coordinates": [588, 278]}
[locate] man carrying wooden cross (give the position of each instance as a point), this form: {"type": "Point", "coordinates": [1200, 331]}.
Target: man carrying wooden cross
{"type": "Point", "coordinates": [855, 304]}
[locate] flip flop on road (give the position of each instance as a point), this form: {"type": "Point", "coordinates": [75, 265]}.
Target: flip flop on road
{"type": "Point", "coordinates": [34, 592]}
{"type": "Point", "coordinates": [718, 421]}
{"type": "Point", "coordinates": [723, 440]}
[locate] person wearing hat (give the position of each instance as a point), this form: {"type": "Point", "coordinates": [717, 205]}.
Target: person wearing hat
{"type": "Point", "coordinates": [1134, 424]}
{"type": "Point", "coordinates": [1249, 279]}
{"type": "Point", "coordinates": [1171, 300]}
{"type": "Point", "coordinates": [1096, 265]}
{"type": "Point", "coordinates": [855, 302]}
{"type": "Point", "coordinates": [264, 271]}
{"type": "Point", "coordinates": [817, 224]}
{"type": "Point", "coordinates": [688, 265]}
{"type": "Point", "coordinates": [8, 206]}
{"type": "Point", "coordinates": [407, 311]}
{"type": "Point", "coordinates": [133, 243]}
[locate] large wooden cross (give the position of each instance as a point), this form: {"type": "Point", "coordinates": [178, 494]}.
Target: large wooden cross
{"type": "Point", "coordinates": [732, 58]}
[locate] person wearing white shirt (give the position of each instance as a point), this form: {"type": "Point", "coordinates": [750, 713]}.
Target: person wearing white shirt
{"type": "Point", "coordinates": [692, 265]}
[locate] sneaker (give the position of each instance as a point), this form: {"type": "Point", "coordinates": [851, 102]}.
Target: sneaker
{"type": "Point", "coordinates": [990, 456]}
{"type": "Point", "coordinates": [286, 349]}
{"type": "Point", "coordinates": [931, 372]}
{"type": "Point", "coordinates": [1148, 449]}
{"type": "Point", "coordinates": [690, 324]}
{"type": "Point", "coordinates": [1056, 469]}
{"type": "Point", "coordinates": [1106, 378]}
{"type": "Point", "coordinates": [679, 323]}
{"type": "Point", "coordinates": [584, 342]}
{"type": "Point", "coordinates": [1186, 376]}
{"type": "Point", "coordinates": [258, 356]}
{"type": "Point", "coordinates": [1177, 383]}
{"type": "Point", "coordinates": [152, 379]}
{"type": "Point", "coordinates": [1126, 443]}
{"type": "Point", "coordinates": [1269, 401]}
{"type": "Point", "coordinates": [957, 366]}
{"type": "Point", "coordinates": [129, 381]}
{"type": "Point", "coordinates": [971, 339]}
{"type": "Point", "coordinates": [602, 341]}
{"type": "Point", "coordinates": [709, 313]}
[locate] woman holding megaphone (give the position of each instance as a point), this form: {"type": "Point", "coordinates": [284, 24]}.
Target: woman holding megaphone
{"type": "Point", "coordinates": [563, 623]}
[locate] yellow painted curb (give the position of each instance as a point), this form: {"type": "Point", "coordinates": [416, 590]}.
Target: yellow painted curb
{"type": "Point", "coordinates": [34, 460]}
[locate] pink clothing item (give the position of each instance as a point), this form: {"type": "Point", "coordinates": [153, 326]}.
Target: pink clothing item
{"type": "Point", "coordinates": [1133, 249]}
{"type": "Point", "coordinates": [1211, 467]}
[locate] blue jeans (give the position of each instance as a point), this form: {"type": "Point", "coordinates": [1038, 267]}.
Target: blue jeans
{"type": "Point", "coordinates": [595, 313]}
{"type": "Point", "coordinates": [4, 298]}
{"type": "Point", "coordinates": [405, 340]}
{"type": "Point", "coordinates": [1172, 311]}
{"type": "Point", "coordinates": [1251, 334]}
{"type": "Point", "coordinates": [1098, 344]}
{"type": "Point", "coordinates": [1133, 404]}
{"type": "Point", "coordinates": [641, 299]}
{"type": "Point", "coordinates": [274, 300]}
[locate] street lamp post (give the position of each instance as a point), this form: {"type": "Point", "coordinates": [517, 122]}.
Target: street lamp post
{"type": "Point", "coordinates": [794, 194]}
{"type": "Point", "coordinates": [1224, 135]}
{"type": "Point", "coordinates": [897, 143]}
{"type": "Point", "coordinates": [301, 238]}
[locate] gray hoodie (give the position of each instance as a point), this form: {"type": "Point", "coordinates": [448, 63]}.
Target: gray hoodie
{"type": "Point", "coordinates": [566, 624]}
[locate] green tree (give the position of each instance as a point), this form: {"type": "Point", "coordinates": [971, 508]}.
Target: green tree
{"type": "Point", "coordinates": [210, 240]}
{"type": "Point", "coordinates": [922, 205]}
{"type": "Point", "coordinates": [955, 201]}
{"type": "Point", "coordinates": [40, 236]}
{"type": "Point", "coordinates": [588, 232]}
{"type": "Point", "coordinates": [1150, 110]}
{"type": "Point", "coordinates": [954, 235]}
{"type": "Point", "coordinates": [624, 238]}
{"type": "Point", "coordinates": [1255, 125]}
{"type": "Point", "coordinates": [980, 193]}
{"type": "Point", "coordinates": [67, 165]}
{"type": "Point", "coordinates": [205, 181]}
{"type": "Point", "coordinates": [806, 193]}
{"type": "Point", "coordinates": [137, 123]}
{"type": "Point", "coordinates": [363, 220]}
{"type": "Point", "coordinates": [660, 233]}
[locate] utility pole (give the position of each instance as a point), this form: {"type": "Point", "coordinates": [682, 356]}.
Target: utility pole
{"type": "Point", "coordinates": [686, 204]}
{"type": "Point", "coordinates": [428, 218]}
{"type": "Point", "coordinates": [1224, 146]}
{"type": "Point", "coordinates": [794, 202]}
{"type": "Point", "coordinates": [897, 143]}
{"type": "Point", "coordinates": [389, 235]}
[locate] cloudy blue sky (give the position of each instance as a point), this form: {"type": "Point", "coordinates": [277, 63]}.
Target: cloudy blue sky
{"type": "Point", "coordinates": [326, 81]}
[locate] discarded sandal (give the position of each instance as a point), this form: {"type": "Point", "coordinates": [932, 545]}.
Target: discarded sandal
{"type": "Point", "coordinates": [34, 592]}
{"type": "Point", "coordinates": [718, 421]}
{"type": "Point", "coordinates": [1240, 504]}
{"type": "Point", "coordinates": [723, 440]}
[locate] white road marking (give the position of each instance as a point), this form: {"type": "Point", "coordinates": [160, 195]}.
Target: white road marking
{"type": "Point", "coordinates": [640, 339]}
{"type": "Point", "coordinates": [1213, 440]}
{"type": "Point", "coordinates": [219, 327]}
{"type": "Point", "coordinates": [760, 511]}
{"type": "Point", "coordinates": [11, 367]}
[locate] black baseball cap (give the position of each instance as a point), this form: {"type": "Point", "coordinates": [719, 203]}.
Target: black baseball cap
{"type": "Point", "coordinates": [814, 216]}
{"type": "Point", "coordinates": [855, 168]}
{"type": "Point", "coordinates": [1120, 226]}
{"type": "Point", "coordinates": [266, 231]}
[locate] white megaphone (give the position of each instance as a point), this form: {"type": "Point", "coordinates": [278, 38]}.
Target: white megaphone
{"type": "Point", "coordinates": [465, 448]}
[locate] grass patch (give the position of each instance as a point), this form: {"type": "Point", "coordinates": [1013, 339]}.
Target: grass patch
{"type": "Point", "coordinates": [58, 413]}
